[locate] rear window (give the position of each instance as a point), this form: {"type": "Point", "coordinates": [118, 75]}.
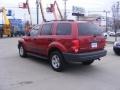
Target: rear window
{"type": "Point", "coordinates": [63, 29]}
{"type": "Point", "coordinates": [88, 29]}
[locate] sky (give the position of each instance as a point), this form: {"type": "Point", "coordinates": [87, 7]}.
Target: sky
{"type": "Point", "coordinates": [89, 5]}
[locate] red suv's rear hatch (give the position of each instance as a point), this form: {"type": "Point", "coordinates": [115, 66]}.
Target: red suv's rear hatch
{"type": "Point", "coordinates": [90, 37]}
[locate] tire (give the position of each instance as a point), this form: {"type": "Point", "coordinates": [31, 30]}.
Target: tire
{"type": "Point", "coordinates": [22, 51]}
{"type": "Point", "coordinates": [56, 61]}
{"type": "Point", "coordinates": [88, 62]}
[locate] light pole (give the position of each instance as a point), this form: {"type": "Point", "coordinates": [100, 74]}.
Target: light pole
{"type": "Point", "coordinates": [37, 10]}
{"type": "Point", "coordinates": [115, 12]}
{"type": "Point", "coordinates": [106, 16]}
{"type": "Point", "coordinates": [65, 11]}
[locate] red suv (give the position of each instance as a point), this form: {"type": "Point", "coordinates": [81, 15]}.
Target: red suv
{"type": "Point", "coordinates": [64, 41]}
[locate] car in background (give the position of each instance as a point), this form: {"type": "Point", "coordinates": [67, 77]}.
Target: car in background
{"type": "Point", "coordinates": [111, 33]}
{"type": "Point", "coordinates": [116, 47]}
{"type": "Point", "coordinates": [106, 35]}
{"type": "Point", "coordinates": [118, 33]}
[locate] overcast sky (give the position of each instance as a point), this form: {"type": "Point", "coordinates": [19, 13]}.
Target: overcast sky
{"type": "Point", "coordinates": [89, 5]}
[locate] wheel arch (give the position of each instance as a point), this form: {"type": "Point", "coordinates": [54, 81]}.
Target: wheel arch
{"type": "Point", "coordinates": [52, 49]}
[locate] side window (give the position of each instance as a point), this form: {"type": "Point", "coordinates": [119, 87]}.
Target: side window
{"type": "Point", "coordinates": [63, 29]}
{"type": "Point", "coordinates": [33, 32]}
{"type": "Point", "coordinates": [46, 29]}
{"type": "Point", "coordinates": [88, 29]}
{"type": "Point", "coordinates": [36, 27]}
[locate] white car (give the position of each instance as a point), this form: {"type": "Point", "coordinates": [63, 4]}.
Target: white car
{"type": "Point", "coordinates": [111, 33]}
{"type": "Point", "coordinates": [106, 35]}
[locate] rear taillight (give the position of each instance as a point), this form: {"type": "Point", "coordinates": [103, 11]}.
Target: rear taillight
{"type": "Point", "coordinates": [75, 46]}
{"type": "Point", "coordinates": [104, 42]}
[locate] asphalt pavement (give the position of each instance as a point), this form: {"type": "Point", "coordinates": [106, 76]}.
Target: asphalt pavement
{"type": "Point", "coordinates": [32, 73]}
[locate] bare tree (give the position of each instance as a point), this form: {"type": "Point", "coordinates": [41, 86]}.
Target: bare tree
{"type": "Point", "coordinates": [116, 20]}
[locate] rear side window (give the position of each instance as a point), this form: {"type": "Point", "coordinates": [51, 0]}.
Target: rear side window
{"type": "Point", "coordinates": [88, 29]}
{"type": "Point", "coordinates": [46, 29]}
{"type": "Point", "coordinates": [63, 29]}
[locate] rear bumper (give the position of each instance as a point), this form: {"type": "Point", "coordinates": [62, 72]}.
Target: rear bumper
{"type": "Point", "coordinates": [84, 56]}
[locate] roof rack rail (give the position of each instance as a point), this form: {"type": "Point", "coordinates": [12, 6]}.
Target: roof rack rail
{"type": "Point", "coordinates": [60, 20]}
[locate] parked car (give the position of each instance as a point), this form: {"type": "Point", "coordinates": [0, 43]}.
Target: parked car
{"type": "Point", "coordinates": [63, 42]}
{"type": "Point", "coordinates": [116, 47]}
{"type": "Point", "coordinates": [111, 33]}
{"type": "Point", "coordinates": [106, 35]}
{"type": "Point", "coordinates": [118, 34]}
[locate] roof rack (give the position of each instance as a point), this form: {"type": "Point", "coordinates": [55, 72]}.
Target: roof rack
{"type": "Point", "coordinates": [60, 20]}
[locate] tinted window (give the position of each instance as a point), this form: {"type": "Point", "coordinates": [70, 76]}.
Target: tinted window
{"type": "Point", "coordinates": [88, 29]}
{"type": "Point", "coordinates": [63, 29]}
{"type": "Point", "coordinates": [34, 33]}
{"type": "Point", "coordinates": [47, 29]}
{"type": "Point", "coordinates": [35, 30]}
{"type": "Point", "coordinates": [35, 27]}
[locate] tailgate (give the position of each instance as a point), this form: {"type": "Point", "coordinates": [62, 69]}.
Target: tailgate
{"type": "Point", "coordinates": [91, 43]}
{"type": "Point", "coordinates": [90, 37]}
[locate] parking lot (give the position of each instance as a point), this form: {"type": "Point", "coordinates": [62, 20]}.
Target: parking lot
{"type": "Point", "coordinates": [32, 73]}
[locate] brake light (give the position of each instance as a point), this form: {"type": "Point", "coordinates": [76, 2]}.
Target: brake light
{"type": "Point", "coordinates": [75, 46]}
{"type": "Point", "coordinates": [105, 42]}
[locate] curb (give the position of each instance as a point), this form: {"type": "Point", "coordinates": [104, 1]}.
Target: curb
{"type": "Point", "coordinates": [110, 42]}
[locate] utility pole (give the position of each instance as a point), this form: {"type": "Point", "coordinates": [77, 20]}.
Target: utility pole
{"type": "Point", "coordinates": [115, 11]}
{"type": "Point", "coordinates": [114, 19]}
{"type": "Point", "coordinates": [37, 10]}
{"type": "Point", "coordinates": [65, 11]}
{"type": "Point", "coordinates": [117, 20]}
{"type": "Point", "coordinates": [106, 16]}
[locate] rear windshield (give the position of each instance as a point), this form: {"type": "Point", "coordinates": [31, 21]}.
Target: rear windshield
{"type": "Point", "coordinates": [88, 29]}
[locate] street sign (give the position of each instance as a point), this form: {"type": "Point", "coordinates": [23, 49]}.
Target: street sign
{"type": "Point", "coordinates": [79, 10]}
